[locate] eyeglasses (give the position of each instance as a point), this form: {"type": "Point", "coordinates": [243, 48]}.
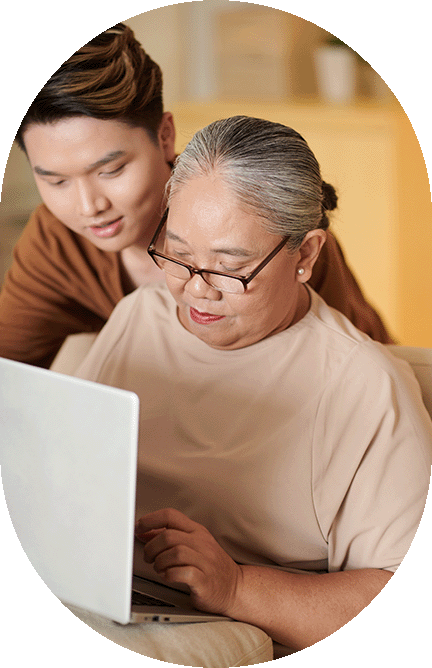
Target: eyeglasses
{"type": "Point", "coordinates": [216, 279]}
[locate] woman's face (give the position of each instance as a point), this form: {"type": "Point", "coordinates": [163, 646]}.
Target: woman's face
{"type": "Point", "coordinates": [206, 228]}
{"type": "Point", "coordinates": [102, 178]}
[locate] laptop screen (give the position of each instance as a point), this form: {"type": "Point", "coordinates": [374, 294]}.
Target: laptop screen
{"type": "Point", "coordinates": [68, 461]}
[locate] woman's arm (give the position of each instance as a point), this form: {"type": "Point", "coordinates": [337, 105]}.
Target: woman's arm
{"type": "Point", "coordinates": [296, 610]}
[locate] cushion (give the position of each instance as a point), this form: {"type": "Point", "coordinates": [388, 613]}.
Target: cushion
{"type": "Point", "coordinates": [209, 644]}
{"type": "Point", "coordinates": [420, 360]}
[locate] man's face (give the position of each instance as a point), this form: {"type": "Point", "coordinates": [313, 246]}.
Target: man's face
{"type": "Point", "coordinates": [102, 179]}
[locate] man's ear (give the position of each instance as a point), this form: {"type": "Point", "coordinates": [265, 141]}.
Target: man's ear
{"type": "Point", "coordinates": [308, 252]}
{"type": "Point", "coordinates": [166, 136]}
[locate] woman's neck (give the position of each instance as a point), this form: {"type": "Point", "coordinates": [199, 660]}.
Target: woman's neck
{"type": "Point", "coordinates": [303, 305]}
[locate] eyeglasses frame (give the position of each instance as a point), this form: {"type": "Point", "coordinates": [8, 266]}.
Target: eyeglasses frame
{"type": "Point", "coordinates": [245, 280]}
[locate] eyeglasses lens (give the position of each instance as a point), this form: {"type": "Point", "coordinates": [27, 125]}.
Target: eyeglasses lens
{"type": "Point", "coordinates": [223, 283]}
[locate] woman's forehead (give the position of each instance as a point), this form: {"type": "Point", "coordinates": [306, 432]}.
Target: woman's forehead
{"type": "Point", "coordinates": [244, 239]}
{"type": "Point", "coordinates": [206, 210]}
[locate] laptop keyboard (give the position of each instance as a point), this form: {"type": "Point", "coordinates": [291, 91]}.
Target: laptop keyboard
{"type": "Point", "coordinates": [144, 599]}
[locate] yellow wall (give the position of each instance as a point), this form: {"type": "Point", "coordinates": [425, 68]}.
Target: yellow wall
{"type": "Point", "coordinates": [414, 276]}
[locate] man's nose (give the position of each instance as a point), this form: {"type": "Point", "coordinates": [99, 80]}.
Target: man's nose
{"type": "Point", "coordinates": [91, 201]}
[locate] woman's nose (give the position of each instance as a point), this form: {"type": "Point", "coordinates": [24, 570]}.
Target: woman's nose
{"type": "Point", "coordinates": [91, 202]}
{"type": "Point", "coordinates": [197, 287]}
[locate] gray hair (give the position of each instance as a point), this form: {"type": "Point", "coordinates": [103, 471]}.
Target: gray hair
{"type": "Point", "coordinates": [268, 166]}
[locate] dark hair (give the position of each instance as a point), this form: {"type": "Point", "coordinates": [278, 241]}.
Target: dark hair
{"type": "Point", "coordinates": [109, 78]}
{"type": "Point", "coordinates": [268, 166]}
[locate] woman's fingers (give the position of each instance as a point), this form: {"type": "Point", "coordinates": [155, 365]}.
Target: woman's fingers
{"type": "Point", "coordinates": [186, 575]}
{"type": "Point", "coordinates": [178, 556]}
{"type": "Point", "coordinates": [182, 550]}
{"type": "Point", "coordinates": [167, 518]}
{"type": "Point", "coordinates": [146, 536]}
{"type": "Point", "coordinates": [166, 540]}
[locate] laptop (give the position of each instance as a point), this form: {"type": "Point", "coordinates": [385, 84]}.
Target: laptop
{"type": "Point", "coordinates": [68, 456]}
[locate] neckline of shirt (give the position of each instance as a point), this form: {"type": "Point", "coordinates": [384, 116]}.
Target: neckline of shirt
{"type": "Point", "coordinates": [193, 342]}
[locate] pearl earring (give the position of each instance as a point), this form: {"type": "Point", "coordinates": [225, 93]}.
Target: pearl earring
{"type": "Point", "coordinates": [300, 271]}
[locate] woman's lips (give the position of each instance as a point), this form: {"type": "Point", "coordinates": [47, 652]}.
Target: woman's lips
{"type": "Point", "coordinates": [107, 230]}
{"type": "Point", "coordinates": [203, 318]}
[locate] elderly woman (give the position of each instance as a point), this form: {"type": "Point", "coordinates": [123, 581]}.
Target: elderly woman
{"type": "Point", "coordinates": [284, 456]}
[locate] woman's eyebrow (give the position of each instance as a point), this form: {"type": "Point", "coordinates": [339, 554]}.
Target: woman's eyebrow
{"type": "Point", "coordinates": [109, 157]}
{"type": "Point", "coordinates": [174, 237]}
{"type": "Point", "coordinates": [239, 252]}
{"type": "Point", "coordinates": [223, 250]}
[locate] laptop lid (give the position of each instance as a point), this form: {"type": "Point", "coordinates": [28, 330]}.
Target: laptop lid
{"type": "Point", "coordinates": [68, 451]}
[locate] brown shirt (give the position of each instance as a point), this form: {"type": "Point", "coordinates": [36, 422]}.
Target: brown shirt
{"type": "Point", "coordinates": [60, 284]}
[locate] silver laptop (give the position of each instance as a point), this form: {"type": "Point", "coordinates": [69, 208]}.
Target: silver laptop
{"type": "Point", "coordinates": [68, 456]}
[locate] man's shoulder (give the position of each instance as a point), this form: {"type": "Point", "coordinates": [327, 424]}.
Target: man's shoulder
{"type": "Point", "coordinates": [45, 233]}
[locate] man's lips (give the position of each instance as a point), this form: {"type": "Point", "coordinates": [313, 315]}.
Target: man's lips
{"type": "Point", "coordinates": [106, 229]}
{"type": "Point", "coordinates": [203, 318]}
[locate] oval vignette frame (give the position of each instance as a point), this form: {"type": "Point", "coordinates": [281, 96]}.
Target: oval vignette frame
{"type": "Point", "coordinates": [394, 627]}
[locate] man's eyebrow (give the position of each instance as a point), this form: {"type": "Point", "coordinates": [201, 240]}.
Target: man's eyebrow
{"type": "Point", "coordinates": [45, 172]}
{"type": "Point", "coordinates": [223, 250]}
{"type": "Point", "coordinates": [109, 157]}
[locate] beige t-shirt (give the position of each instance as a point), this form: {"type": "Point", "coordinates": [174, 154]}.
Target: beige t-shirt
{"type": "Point", "coordinates": [308, 451]}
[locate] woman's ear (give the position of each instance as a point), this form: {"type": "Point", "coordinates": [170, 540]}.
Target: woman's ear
{"type": "Point", "coordinates": [309, 251]}
{"type": "Point", "coordinates": [166, 136]}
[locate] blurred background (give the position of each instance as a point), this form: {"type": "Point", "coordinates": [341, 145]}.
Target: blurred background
{"type": "Point", "coordinates": [221, 58]}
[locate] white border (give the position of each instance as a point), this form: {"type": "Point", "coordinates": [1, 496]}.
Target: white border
{"type": "Point", "coordinates": [394, 630]}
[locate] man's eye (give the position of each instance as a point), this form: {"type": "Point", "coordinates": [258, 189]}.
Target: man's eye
{"type": "Point", "coordinates": [115, 171]}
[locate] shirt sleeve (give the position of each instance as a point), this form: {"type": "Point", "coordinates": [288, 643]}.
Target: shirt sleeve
{"type": "Point", "coordinates": [334, 281]}
{"type": "Point", "coordinates": [58, 284]}
{"type": "Point", "coordinates": [372, 462]}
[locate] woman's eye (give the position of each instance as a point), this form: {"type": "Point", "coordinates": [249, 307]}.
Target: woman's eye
{"type": "Point", "coordinates": [232, 270]}
{"type": "Point", "coordinates": [175, 252]}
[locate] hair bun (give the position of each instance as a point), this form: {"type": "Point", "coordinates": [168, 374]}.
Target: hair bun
{"type": "Point", "coordinates": [330, 198]}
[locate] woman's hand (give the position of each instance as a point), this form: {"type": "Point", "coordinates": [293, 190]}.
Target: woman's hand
{"type": "Point", "coordinates": [295, 609]}
{"type": "Point", "coordinates": [183, 551]}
